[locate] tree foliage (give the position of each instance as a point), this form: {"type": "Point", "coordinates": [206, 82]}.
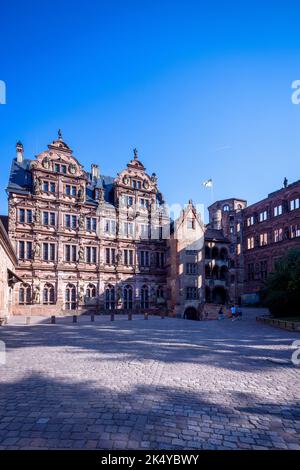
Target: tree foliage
{"type": "Point", "coordinates": [282, 294]}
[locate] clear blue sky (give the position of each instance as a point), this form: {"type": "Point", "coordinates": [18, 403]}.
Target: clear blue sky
{"type": "Point", "coordinates": [202, 89]}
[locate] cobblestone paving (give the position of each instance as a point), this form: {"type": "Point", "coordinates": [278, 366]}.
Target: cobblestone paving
{"type": "Point", "coordinates": [156, 384]}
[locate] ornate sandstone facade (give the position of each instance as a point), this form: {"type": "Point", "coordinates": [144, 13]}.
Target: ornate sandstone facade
{"type": "Point", "coordinates": [85, 241]}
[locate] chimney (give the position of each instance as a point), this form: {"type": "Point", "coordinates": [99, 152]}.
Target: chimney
{"type": "Point", "coordinates": [20, 150]}
{"type": "Point", "coordinates": [95, 171]}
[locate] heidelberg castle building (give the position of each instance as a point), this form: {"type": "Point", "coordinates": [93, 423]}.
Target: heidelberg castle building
{"type": "Point", "coordinates": [88, 242]}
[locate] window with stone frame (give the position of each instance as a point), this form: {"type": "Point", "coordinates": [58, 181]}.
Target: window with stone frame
{"type": "Point", "coordinates": [128, 297]}
{"type": "Point", "coordinates": [110, 226]}
{"type": "Point", "coordinates": [91, 254]}
{"type": "Point", "coordinates": [128, 257]}
{"type": "Point", "coordinates": [191, 268]}
{"type": "Point", "coordinates": [263, 239]}
{"type": "Point", "coordinates": [110, 297]}
{"type": "Point", "coordinates": [91, 224]}
{"type": "Point", "coordinates": [25, 250]}
{"type": "Point", "coordinates": [48, 294]}
{"type": "Point", "coordinates": [191, 293]}
{"type": "Point", "coordinates": [49, 251]}
{"type": "Point", "coordinates": [70, 253]}
{"type": "Point", "coordinates": [110, 256]}
{"type": "Point", "coordinates": [277, 210]}
{"type": "Point", "coordinates": [91, 291]}
{"type": "Point", "coordinates": [25, 294]}
{"type": "Point", "coordinates": [144, 297]}
{"type": "Point", "coordinates": [294, 204]}
{"type": "Point", "coordinates": [25, 216]}
{"type": "Point", "coordinates": [144, 258]}
{"type": "Point", "coordinates": [278, 235]}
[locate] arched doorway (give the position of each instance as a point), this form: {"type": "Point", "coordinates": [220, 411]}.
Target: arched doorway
{"type": "Point", "coordinates": [219, 295]}
{"type": "Point", "coordinates": [191, 313]}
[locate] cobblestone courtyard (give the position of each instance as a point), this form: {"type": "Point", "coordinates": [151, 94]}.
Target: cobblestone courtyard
{"type": "Point", "coordinates": [156, 384]}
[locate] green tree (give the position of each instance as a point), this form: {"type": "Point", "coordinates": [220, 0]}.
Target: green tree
{"type": "Point", "coordinates": [282, 294]}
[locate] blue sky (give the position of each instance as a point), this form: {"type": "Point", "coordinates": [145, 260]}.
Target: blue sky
{"type": "Point", "coordinates": [202, 89]}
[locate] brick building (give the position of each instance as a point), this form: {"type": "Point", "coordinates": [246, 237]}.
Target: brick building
{"type": "Point", "coordinates": [270, 228]}
{"type": "Point", "coordinates": [85, 241]}
{"type": "Point", "coordinates": [89, 242]}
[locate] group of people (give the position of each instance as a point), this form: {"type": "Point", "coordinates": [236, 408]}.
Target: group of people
{"type": "Point", "coordinates": [234, 312]}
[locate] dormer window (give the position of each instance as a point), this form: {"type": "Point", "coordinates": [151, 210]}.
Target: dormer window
{"type": "Point", "coordinates": [136, 184]}
{"type": "Point", "coordinates": [226, 208]}
{"type": "Point", "coordinates": [60, 168]}
{"type": "Point", "coordinates": [191, 224]}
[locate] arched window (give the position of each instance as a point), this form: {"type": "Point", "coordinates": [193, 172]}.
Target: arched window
{"type": "Point", "coordinates": [25, 294]}
{"type": "Point", "coordinates": [110, 298]}
{"type": "Point", "coordinates": [48, 294]}
{"type": "Point", "coordinates": [70, 297]}
{"type": "Point", "coordinates": [91, 291]}
{"type": "Point", "coordinates": [128, 297]}
{"type": "Point", "coordinates": [144, 297]}
{"type": "Point", "coordinates": [226, 208]}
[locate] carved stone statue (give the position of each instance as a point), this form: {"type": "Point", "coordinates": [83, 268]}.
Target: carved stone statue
{"type": "Point", "coordinates": [285, 182]}
{"type": "Point", "coordinates": [154, 178]}
{"type": "Point", "coordinates": [81, 293]}
{"type": "Point", "coordinates": [81, 221]}
{"type": "Point", "coordinates": [37, 217]}
{"type": "Point", "coordinates": [37, 186]}
{"type": "Point", "coordinates": [46, 163]}
{"type": "Point", "coordinates": [36, 295]}
{"type": "Point", "coordinates": [81, 253]}
{"type": "Point", "coordinates": [81, 193]}
{"type": "Point", "coordinates": [119, 256]}
{"type": "Point", "coordinates": [37, 250]}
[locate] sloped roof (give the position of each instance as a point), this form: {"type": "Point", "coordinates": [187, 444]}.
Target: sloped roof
{"type": "Point", "coordinates": [20, 179]}
{"type": "Point", "coordinates": [215, 235]}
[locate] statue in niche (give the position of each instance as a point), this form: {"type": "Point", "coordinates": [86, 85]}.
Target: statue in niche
{"type": "Point", "coordinates": [81, 193]}
{"type": "Point", "coordinates": [119, 256]}
{"type": "Point", "coordinates": [37, 186]}
{"type": "Point", "coordinates": [37, 216]}
{"type": "Point", "coordinates": [81, 253]}
{"type": "Point", "coordinates": [37, 250]}
{"type": "Point", "coordinates": [46, 163]}
{"type": "Point", "coordinates": [81, 294]}
{"type": "Point", "coordinates": [81, 221]}
{"type": "Point", "coordinates": [36, 295]}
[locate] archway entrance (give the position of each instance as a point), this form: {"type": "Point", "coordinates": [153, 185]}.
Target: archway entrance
{"type": "Point", "coordinates": [190, 313]}
{"type": "Point", "coordinates": [219, 295]}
